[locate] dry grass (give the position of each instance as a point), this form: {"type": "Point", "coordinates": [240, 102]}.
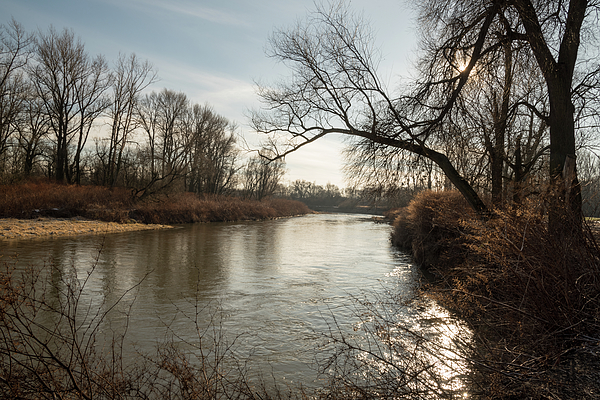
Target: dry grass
{"type": "Point", "coordinates": [44, 228]}
{"type": "Point", "coordinates": [33, 199]}
{"type": "Point", "coordinates": [429, 225]}
{"type": "Point", "coordinates": [39, 199]}
{"type": "Point", "coordinates": [187, 208]}
{"type": "Point", "coordinates": [533, 299]}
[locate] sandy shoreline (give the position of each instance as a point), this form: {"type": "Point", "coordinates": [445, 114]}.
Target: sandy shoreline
{"type": "Point", "coordinates": [18, 229]}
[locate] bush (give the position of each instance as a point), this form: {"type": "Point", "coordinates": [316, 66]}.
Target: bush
{"type": "Point", "coordinates": [430, 225]}
{"type": "Point", "coordinates": [545, 289]}
{"type": "Point", "coordinates": [532, 298]}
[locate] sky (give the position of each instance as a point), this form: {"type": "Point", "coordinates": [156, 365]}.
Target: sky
{"type": "Point", "coordinates": [214, 51]}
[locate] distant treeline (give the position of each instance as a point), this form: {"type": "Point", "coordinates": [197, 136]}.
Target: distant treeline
{"type": "Point", "coordinates": [329, 197]}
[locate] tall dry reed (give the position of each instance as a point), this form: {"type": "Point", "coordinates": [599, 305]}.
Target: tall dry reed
{"type": "Point", "coordinates": [32, 199]}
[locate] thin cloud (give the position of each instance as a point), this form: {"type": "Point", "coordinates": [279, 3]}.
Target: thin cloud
{"type": "Point", "coordinates": [229, 95]}
{"type": "Point", "coordinates": [189, 10]}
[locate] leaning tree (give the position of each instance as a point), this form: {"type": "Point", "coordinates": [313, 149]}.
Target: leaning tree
{"type": "Point", "coordinates": [334, 87]}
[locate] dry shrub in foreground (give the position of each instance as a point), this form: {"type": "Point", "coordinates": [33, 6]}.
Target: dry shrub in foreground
{"type": "Point", "coordinates": [48, 342]}
{"type": "Point", "coordinates": [53, 345]}
{"type": "Point", "coordinates": [537, 299]}
{"type": "Point", "coordinates": [532, 298]}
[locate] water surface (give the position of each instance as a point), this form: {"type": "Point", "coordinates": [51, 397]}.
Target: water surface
{"type": "Point", "coordinates": [274, 283]}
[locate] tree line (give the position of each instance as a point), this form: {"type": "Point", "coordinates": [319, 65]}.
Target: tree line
{"type": "Point", "coordinates": [54, 95]}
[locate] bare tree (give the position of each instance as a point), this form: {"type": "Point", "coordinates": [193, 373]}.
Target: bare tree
{"type": "Point", "coordinates": [262, 176]}
{"type": "Point", "coordinates": [335, 89]}
{"type": "Point", "coordinates": [212, 152]}
{"type": "Point", "coordinates": [91, 102]}
{"type": "Point", "coordinates": [69, 85]}
{"type": "Point", "coordinates": [551, 32]}
{"type": "Point", "coordinates": [493, 112]}
{"type": "Point", "coordinates": [130, 78]}
{"type": "Point", "coordinates": [15, 51]}
{"type": "Point", "coordinates": [161, 116]}
{"type": "Point", "coordinates": [558, 68]}
{"type": "Point", "coordinates": [32, 129]}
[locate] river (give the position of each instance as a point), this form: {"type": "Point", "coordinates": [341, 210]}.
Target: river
{"type": "Point", "coordinates": [273, 288]}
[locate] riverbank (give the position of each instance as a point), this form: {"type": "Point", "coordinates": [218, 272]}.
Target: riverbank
{"type": "Point", "coordinates": [35, 200]}
{"type": "Point", "coordinates": [43, 228]}
{"type": "Point", "coordinates": [532, 299]}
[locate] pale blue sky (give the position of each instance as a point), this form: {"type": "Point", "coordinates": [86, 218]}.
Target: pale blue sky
{"type": "Point", "coordinates": [213, 50]}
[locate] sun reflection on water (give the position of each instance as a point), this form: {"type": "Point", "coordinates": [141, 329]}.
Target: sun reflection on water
{"type": "Point", "coordinates": [405, 346]}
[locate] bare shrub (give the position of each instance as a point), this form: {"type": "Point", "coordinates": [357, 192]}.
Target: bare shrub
{"type": "Point", "coordinates": [404, 347]}
{"type": "Point", "coordinates": [537, 294]}
{"type": "Point", "coordinates": [53, 346]}
{"type": "Point", "coordinates": [428, 226]}
{"type": "Point", "coordinates": [49, 343]}
{"type": "Point", "coordinates": [531, 297]}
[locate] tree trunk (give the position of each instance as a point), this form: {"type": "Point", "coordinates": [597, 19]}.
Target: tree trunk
{"type": "Point", "coordinates": [565, 203]}
{"type": "Point", "coordinates": [459, 182]}
{"type": "Point", "coordinates": [500, 117]}
{"type": "Point", "coordinates": [558, 75]}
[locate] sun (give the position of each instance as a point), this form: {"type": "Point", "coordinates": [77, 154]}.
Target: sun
{"type": "Point", "coordinates": [462, 65]}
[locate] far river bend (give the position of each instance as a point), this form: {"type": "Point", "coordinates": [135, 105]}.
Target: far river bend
{"type": "Point", "coordinates": [277, 283]}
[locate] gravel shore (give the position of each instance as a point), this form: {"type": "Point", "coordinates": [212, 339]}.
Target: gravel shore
{"type": "Point", "coordinates": [19, 229]}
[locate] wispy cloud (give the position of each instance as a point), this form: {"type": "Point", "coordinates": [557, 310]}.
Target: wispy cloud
{"type": "Point", "coordinates": [229, 95]}
{"type": "Point", "coordinates": [189, 9]}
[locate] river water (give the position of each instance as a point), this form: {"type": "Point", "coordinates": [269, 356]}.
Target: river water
{"type": "Point", "coordinates": [272, 287]}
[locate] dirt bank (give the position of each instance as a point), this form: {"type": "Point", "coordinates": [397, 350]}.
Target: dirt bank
{"type": "Point", "coordinates": [18, 229]}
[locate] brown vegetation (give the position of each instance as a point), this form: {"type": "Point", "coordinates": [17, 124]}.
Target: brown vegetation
{"type": "Point", "coordinates": [187, 207]}
{"type": "Point", "coordinates": [31, 200]}
{"type": "Point", "coordinates": [533, 299]}
{"type": "Point", "coordinates": [428, 224]}
{"type": "Point", "coordinates": [54, 346]}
